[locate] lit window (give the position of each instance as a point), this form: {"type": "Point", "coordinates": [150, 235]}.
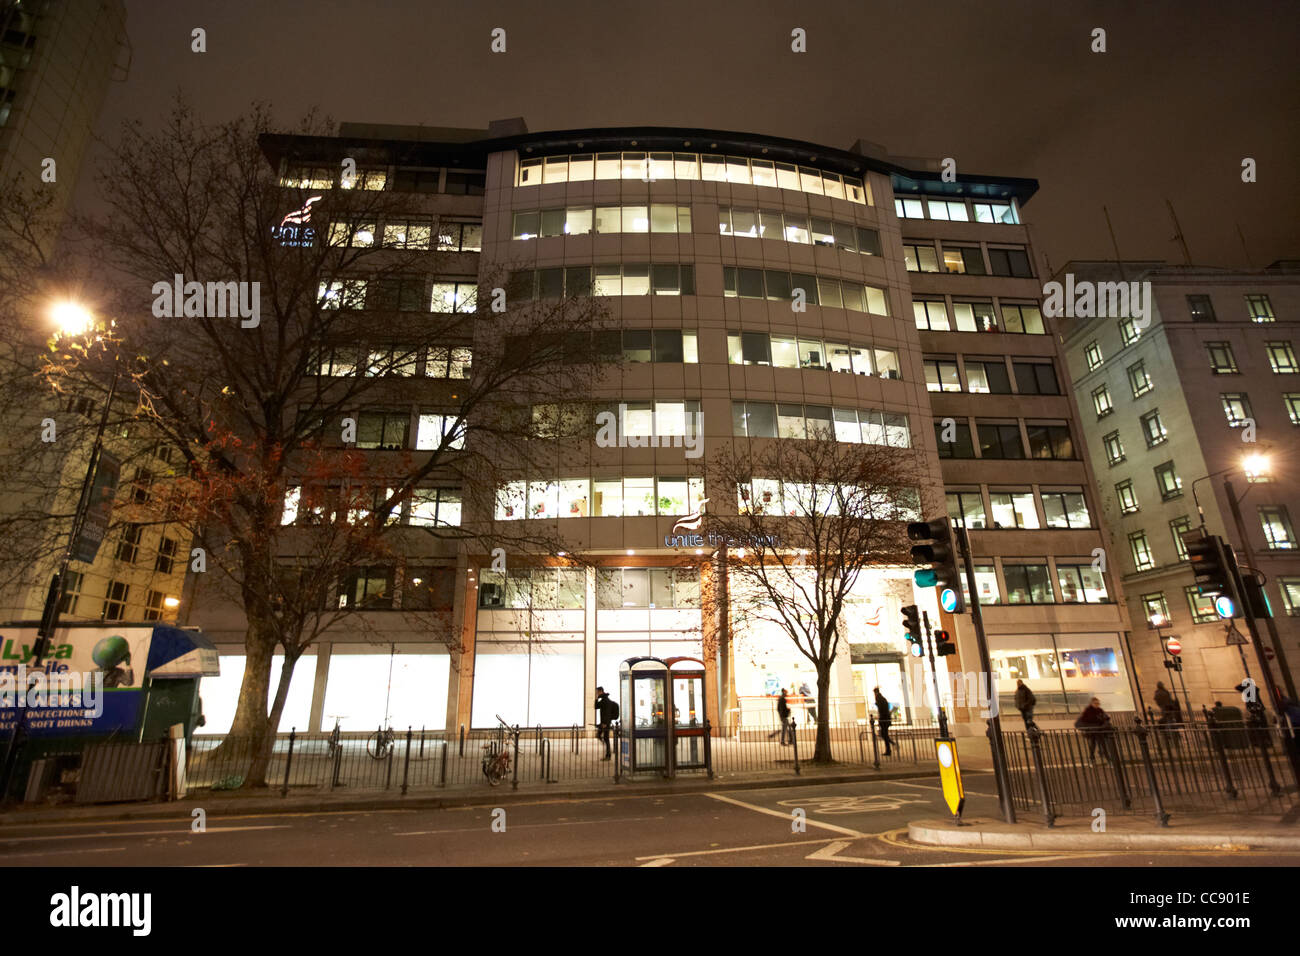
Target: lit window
{"type": "Point", "coordinates": [941, 375]}
{"type": "Point", "coordinates": [1126, 497]}
{"type": "Point", "coordinates": [1222, 361]}
{"type": "Point", "coordinates": [930, 315]}
{"type": "Point", "coordinates": [1179, 527]}
{"type": "Point", "coordinates": [1236, 406]}
{"type": "Point", "coordinates": [1138, 379]}
{"type": "Point", "coordinates": [948, 209]}
{"type": "Point", "coordinates": [920, 258]}
{"type": "Point", "coordinates": [1277, 527]}
{"type": "Point", "coordinates": [1022, 318]}
{"type": "Point", "coordinates": [1290, 588]}
{"type": "Point", "coordinates": [1259, 309]}
{"type": "Point", "coordinates": [1292, 400]}
{"type": "Point", "coordinates": [1080, 584]}
{"type": "Point", "coordinates": [1143, 560]}
{"type": "Point", "coordinates": [963, 260]}
{"type": "Point", "coordinates": [975, 317]}
{"type": "Point", "coordinates": [1153, 604]}
{"type": "Point", "coordinates": [1013, 509]}
{"type": "Point", "coordinates": [1114, 448]}
{"type": "Point", "coordinates": [966, 508]}
{"type": "Point", "coordinates": [1153, 429]}
{"type": "Point", "coordinates": [1281, 358]}
{"type": "Point", "coordinates": [1066, 509]}
{"type": "Point", "coordinates": [1168, 481]}
{"type": "Point", "coordinates": [1128, 331]}
{"type": "Point", "coordinates": [909, 209]}
{"type": "Point", "coordinates": [1201, 605]}
{"type": "Point", "coordinates": [1093, 354]}
{"type": "Point", "coordinates": [1101, 401]}
{"type": "Point", "coordinates": [995, 212]}
{"type": "Point", "coordinates": [435, 431]}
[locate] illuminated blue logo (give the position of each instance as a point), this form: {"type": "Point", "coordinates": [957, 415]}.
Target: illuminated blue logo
{"type": "Point", "coordinates": [1223, 604]}
{"type": "Point", "coordinates": [948, 600]}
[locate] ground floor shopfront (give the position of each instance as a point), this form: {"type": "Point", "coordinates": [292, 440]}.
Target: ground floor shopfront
{"type": "Point", "coordinates": [537, 642]}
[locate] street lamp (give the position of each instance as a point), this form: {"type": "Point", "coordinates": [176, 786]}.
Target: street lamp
{"type": "Point", "coordinates": [70, 319]}
{"type": "Point", "coordinates": [1158, 620]}
{"type": "Point", "coordinates": [1254, 466]}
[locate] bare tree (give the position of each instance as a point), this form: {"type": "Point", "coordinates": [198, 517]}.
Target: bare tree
{"type": "Point", "coordinates": [254, 357]}
{"type": "Point", "coordinates": [810, 516]}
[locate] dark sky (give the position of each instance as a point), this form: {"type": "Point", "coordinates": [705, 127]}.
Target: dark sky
{"type": "Point", "coordinates": [1186, 90]}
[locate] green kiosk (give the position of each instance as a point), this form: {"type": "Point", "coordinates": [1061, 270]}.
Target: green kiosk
{"type": "Point", "coordinates": [119, 684]}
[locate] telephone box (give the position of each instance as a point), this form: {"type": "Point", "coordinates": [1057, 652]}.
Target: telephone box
{"type": "Point", "coordinates": [690, 750]}
{"type": "Point", "coordinates": [643, 682]}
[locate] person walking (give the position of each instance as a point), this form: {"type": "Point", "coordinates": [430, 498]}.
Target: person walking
{"type": "Point", "coordinates": [884, 717]}
{"type": "Point", "coordinates": [783, 714]}
{"type": "Point", "coordinates": [606, 713]}
{"type": "Point", "coordinates": [1025, 701]}
{"type": "Point", "coordinates": [1095, 723]}
{"type": "Point", "coordinates": [1167, 704]}
{"type": "Point", "coordinates": [810, 701]}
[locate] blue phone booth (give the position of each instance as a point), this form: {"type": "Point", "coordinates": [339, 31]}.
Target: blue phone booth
{"type": "Point", "coordinates": [643, 682]}
{"type": "Point", "coordinates": [690, 750]}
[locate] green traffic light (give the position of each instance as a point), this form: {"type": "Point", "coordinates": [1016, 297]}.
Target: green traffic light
{"type": "Point", "coordinates": [926, 578]}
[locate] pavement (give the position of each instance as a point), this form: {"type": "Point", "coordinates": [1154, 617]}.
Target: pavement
{"type": "Point", "coordinates": [1228, 832]}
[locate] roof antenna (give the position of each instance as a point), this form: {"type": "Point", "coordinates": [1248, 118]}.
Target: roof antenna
{"type": "Point", "coordinates": [1249, 265]}
{"type": "Point", "coordinates": [1118, 261]}
{"type": "Point", "coordinates": [1178, 234]}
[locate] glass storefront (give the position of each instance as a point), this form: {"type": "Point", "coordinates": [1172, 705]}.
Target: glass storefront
{"type": "Point", "coordinates": [1064, 671]}
{"type": "Point", "coordinates": [221, 694]}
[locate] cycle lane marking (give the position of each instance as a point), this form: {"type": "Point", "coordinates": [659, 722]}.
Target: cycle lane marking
{"type": "Point", "coordinates": [530, 826]}
{"type": "Point", "coordinates": [786, 816]}
{"type": "Point", "coordinates": [730, 849]}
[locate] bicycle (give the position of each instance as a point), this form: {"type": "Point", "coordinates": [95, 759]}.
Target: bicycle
{"type": "Point", "coordinates": [336, 735]}
{"type": "Point", "coordinates": [496, 756]}
{"type": "Point", "coordinates": [380, 744]}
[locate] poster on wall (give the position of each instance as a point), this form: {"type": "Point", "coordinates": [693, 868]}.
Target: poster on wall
{"type": "Point", "coordinates": [89, 684]}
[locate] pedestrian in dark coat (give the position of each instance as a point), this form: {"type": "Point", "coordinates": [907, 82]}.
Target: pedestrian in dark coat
{"type": "Point", "coordinates": [1167, 704]}
{"type": "Point", "coordinates": [1095, 723]}
{"type": "Point", "coordinates": [1025, 701]}
{"type": "Point", "coordinates": [783, 714]}
{"type": "Point", "coordinates": [884, 716]}
{"type": "Point", "coordinates": [606, 713]}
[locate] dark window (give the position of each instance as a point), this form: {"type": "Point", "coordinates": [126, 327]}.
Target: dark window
{"type": "Point", "coordinates": [960, 444]}
{"type": "Point", "coordinates": [128, 547]}
{"type": "Point", "coordinates": [577, 281]}
{"type": "Point", "coordinates": [1028, 584]}
{"type": "Point", "coordinates": [386, 430]}
{"type": "Point", "coordinates": [868, 241]}
{"type": "Point", "coordinates": [1036, 378]}
{"type": "Point", "coordinates": [1000, 441]}
{"type": "Point", "coordinates": [1049, 441]}
{"type": "Point", "coordinates": [466, 184]}
{"type": "Point", "coordinates": [1201, 308]}
{"type": "Point", "coordinates": [1010, 262]}
{"type": "Point", "coordinates": [115, 600]}
{"type": "Point", "coordinates": [668, 345]}
{"type": "Point", "coordinates": [166, 556]}
{"type": "Point", "coordinates": [429, 589]}
{"type": "Point", "coordinates": [368, 588]}
{"type": "Point", "coordinates": [1222, 361]}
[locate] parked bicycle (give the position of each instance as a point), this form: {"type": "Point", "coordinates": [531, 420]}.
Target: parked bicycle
{"type": "Point", "coordinates": [336, 735]}
{"type": "Point", "coordinates": [496, 754]}
{"type": "Point", "coordinates": [380, 744]}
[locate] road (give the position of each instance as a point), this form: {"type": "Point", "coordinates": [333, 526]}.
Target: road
{"type": "Point", "coordinates": [847, 825]}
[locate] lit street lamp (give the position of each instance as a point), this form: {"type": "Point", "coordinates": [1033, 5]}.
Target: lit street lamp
{"type": "Point", "coordinates": [72, 320]}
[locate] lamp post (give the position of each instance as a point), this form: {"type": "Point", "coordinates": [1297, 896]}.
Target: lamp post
{"type": "Point", "coordinates": [1172, 663]}
{"type": "Point", "coordinates": [72, 320]}
{"type": "Point", "coordinates": [1254, 464]}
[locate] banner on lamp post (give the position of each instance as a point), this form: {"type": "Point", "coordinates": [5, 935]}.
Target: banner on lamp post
{"type": "Point", "coordinates": [99, 509]}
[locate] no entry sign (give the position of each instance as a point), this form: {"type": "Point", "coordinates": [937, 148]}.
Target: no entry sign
{"type": "Point", "coordinates": [1175, 647]}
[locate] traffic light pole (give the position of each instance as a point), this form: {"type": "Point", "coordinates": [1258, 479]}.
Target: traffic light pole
{"type": "Point", "coordinates": [995, 722]}
{"type": "Point", "coordinates": [934, 673]}
{"type": "Point", "coordinates": [1251, 626]}
{"type": "Point", "coordinates": [1278, 649]}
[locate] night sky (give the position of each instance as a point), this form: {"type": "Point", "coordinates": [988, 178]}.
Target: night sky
{"type": "Point", "coordinates": [1184, 93]}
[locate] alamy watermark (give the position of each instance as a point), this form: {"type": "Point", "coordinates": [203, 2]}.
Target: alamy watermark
{"type": "Point", "coordinates": [65, 697]}
{"type": "Point", "coordinates": [610, 434]}
{"type": "Point", "coordinates": [1098, 300]}
{"type": "Point", "coordinates": [212, 300]}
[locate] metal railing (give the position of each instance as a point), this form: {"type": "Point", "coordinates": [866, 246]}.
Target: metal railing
{"type": "Point", "coordinates": [1195, 766]}
{"type": "Point", "coordinates": [414, 760]}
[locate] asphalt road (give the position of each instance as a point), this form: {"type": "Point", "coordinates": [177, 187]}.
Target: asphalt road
{"type": "Point", "coordinates": [846, 825]}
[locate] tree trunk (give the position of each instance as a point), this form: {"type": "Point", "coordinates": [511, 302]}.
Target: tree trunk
{"type": "Point", "coordinates": [261, 754]}
{"type": "Point", "coordinates": [248, 737]}
{"type": "Point", "coordinates": [822, 752]}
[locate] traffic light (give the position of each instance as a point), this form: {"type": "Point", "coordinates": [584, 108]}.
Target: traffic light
{"type": "Point", "coordinates": [912, 625]}
{"type": "Point", "coordinates": [1210, 565]}
{"type": "Point", "coordinates": [941, 556]}
{"type": "Point", "coordinates": [943, 645]}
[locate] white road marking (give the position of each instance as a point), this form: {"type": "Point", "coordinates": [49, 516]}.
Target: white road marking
{"type": "Point", "coordinates": [528, 826]}
{"type": "Point", "coordinates": [785, 816]}
{"type": "Point", "coordinates": [1022, 859]}
{"type": "Point", "coordinates": [105, 849]}
{"type": "Point", "coordinates": [118, 836]}
{"type": "Point", "coordinates": [922, 786]}
{"type": "Point", "coordinates": [661, 861]}
{"type": "Point", "coordinates": [732, 849]}
{"type": "Point", "coordinates": [830, 851]}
